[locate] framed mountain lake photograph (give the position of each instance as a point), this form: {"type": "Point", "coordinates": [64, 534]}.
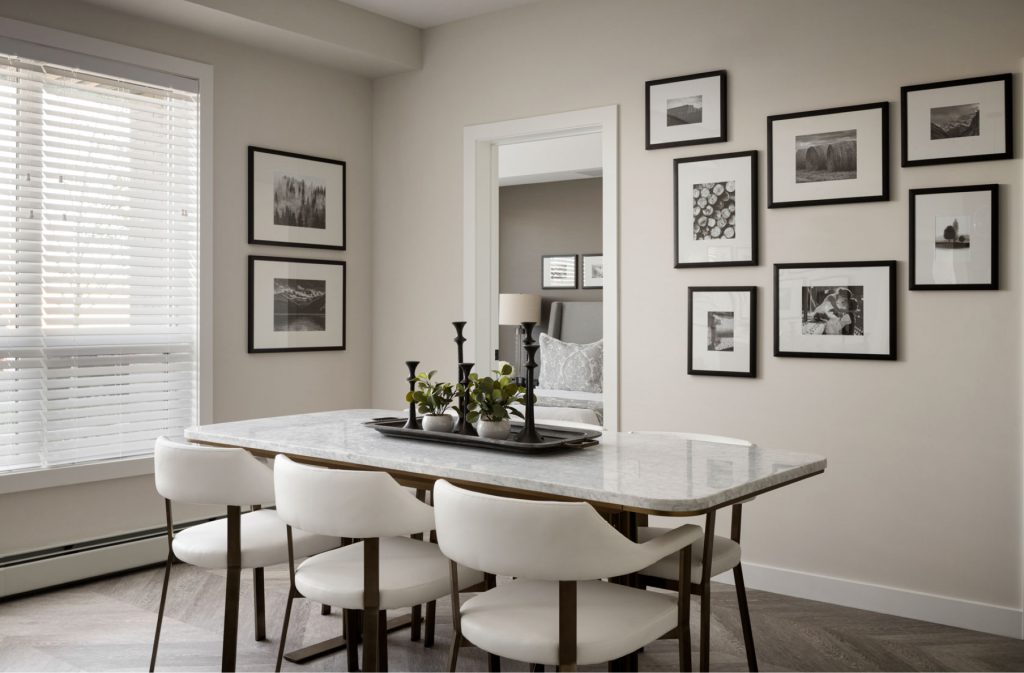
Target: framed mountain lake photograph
{"type": "Point", "coordinates": [296, 305]}
{"type": "Point", "coordinates": [686, 110]}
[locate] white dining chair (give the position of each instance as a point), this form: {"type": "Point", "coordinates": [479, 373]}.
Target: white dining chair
{"type": "Point", "coordinates": [556, 611]}
{"type": "Point", "coordinates": [712, 556]}
{"type": "Point", "coordinates": [385, 570]}
{"type": "Point", "coordinates": [208, 475]}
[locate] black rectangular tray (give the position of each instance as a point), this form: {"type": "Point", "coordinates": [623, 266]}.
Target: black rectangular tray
{"type": "Point", "coordinates": [554, 438]}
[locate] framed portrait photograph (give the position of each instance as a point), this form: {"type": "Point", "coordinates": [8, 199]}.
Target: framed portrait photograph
{"type": "Point", "coordinates": [836, 310]}
{"type": "Point", "coordinates": [954, 238]}
{"type": "Point", "coordinates": [716, 210]}
{"type": "Point", "coordinates": [722, 331]}
{"type": "Point", "coordinates": [296, 305]}
{"type": "Point", "coordinates": [592, 271]}
{"type": "Point", "coordinates": [296, 200]}
{"type": "Point", "coordinates": [686, 110]}
{"type": "Point", "coordinates": [839, 155]}
{"type": "Point", "coordinates": [558, 272]}
{"type": "Point", "coordinates": [955, 121]}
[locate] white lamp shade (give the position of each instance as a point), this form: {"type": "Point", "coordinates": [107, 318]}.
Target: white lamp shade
{"type": "Point", "coordinates": [514, 309]}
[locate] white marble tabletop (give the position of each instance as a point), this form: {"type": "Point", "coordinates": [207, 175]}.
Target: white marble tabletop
{"type": "Point", "coordinates": [643, 472]}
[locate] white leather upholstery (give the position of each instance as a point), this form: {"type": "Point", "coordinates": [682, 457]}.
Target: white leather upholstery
{"type": "Point", "coordinates": [211, 475]}
{"type": "Point", "coordinates": [412, 572]}
{"type": "Point", "coordinates": [725, 555]}
{"type": "Point", "coordinates": [347, 503]}
{"type": "Point", "coordinates": [541, 540]}
{"type": "Point", "coordinates": [519, 620]}
{"type": "Point", "coordinates": [264, 542]}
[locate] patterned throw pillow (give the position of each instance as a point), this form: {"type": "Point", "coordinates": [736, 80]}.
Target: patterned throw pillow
{"type": "Point", "coordinates": [569, 366]}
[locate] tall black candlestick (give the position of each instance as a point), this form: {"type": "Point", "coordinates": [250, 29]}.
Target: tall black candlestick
{"type": "Point", "coordinates": [459, 339]}
{"type": "Point", "coordinates": [464, 427]}
{"type": "Point", "coordinates": [412, 424]}
{"type": "Point", "coordinates": [529, 432]}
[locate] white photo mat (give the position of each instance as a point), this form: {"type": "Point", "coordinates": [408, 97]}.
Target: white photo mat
{"type": "Point", "coordinates": [265, 335]}
{"type": "Point", "coordinates": [709, 129]}
{"type": "Point", "coordinates": [991, 100]}
{"type": "Point", "coordinates": [559, 272]}
{"type": "Point", "coordinates": [737, 170]}
{"type": "Point", "coordinates": [709, 351]}
{"type": "Point", "coordinates": [971, 211]}
{"type": "Point", "coordinates": [592, 271]}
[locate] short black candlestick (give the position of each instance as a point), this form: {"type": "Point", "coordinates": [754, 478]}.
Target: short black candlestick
{"type": "Point", "coordinates": [459, 339]}
{"type": "Point", "coordinates": [529, 433]}
{"type": "Point", "coordinates": [464, 427]}
{"type": "Point", "coordinates": [412, 424]}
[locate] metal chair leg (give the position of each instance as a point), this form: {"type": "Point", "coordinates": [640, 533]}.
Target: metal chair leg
{"type": "Point", "coordinates": [353, 629]}
{"type": "Point", "coordinates": [417, 617]}
{"type": "Point", "coordinates": [259, 604]}
{"type": "Point", "coordinates": [234, 577]}
{"type": "Point", "coordinates": [382, 643]}
{"type": "Point", "coordinates": [371, 637]}
{"type": "Point", "coordinates": [428, 637]}
{"type": "Point", "coordinates": [493, 663]}
{"type": "Point", "coordinates": [160, 612]}
{"type": "Point", "coordinates": [284, 629]}
{"type": "Point", "coordinates": [453, 655]}
{"type": "Point", "coordinates": [748, 633]}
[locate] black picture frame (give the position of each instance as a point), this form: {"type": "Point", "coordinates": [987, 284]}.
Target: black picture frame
{"type": "Point", "coordinates": [544, 285]}
{"type": "Point", "coordinates": [252, 328]}
{"type": "Point", "coordinates": [877, 182]}
{"type": "Point", "coordinates": [907, 92]}
{"type": "Point", "coordinates": [993, 258]}
{"type": "Point", "coordinates": [751, 370]}
{"type": "Point", "coordinates": [263, 229]}
{"type": "Point", "coordinates": [582, 273]}
{"type": "Point", "coordinates": [753, 214]}
{"type": "Point", "coordinates": [885, 335]}
{"type": "Point", "coordinates": [721, 89]}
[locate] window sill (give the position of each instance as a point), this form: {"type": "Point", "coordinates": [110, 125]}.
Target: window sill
{"type": "Point", "coordinates": [67, 475]}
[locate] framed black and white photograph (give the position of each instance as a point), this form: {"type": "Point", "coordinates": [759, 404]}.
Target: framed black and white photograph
{"type": "Point", "coordinates": [716, 210]}
{"type": "Point", "coordinates": [722, 331]}
{"type": "Point", "coordinates": [296, 200]}
{"type": "Point", "coordinates": [686, 110]}
{"type": "Point", "coordinates": [592, 271]}
{"type": "Point", "coordinates": [558, 272]}
{"type": "Point", "coordinates": [954, 238]}
{"type": "Point", "coordinates": [296, 305]}
{"type": "Point", "coordinates": [956, 121]}
{"type": "Point", "coordinates": [838, 155]}
{"type": "Point", "coordinates": [836, 310]}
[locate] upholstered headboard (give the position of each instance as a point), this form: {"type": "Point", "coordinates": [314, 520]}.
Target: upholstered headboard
{"type": "Point", "coordinates": [576, 321]}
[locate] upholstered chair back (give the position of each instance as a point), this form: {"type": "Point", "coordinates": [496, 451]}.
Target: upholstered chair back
{"type": "Point", "coordinates": [211, 475]}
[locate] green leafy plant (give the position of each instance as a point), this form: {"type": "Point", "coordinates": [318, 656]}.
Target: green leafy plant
{"type": "Point", "coordinates": [430, 397]}
{"type": "Point", "coordinates": [491, 398]}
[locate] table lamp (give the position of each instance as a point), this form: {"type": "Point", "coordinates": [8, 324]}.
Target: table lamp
{"type": "Point", "coordinates": [515, 309]}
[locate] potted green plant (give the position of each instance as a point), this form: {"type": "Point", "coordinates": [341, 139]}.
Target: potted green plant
{"type": "Point", "coordinates": [491, 400]}
{"type": "Point", "coordinates": [433, 400]}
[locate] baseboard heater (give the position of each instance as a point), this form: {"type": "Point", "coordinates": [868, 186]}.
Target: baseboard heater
{"type": "Point", "coordinates": [55, 567]}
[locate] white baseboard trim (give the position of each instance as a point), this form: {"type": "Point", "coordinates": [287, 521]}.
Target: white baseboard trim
{"type": "Point", "coordinates": [994, 619]}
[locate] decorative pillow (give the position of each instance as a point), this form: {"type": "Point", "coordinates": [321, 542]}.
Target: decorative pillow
{"type": "Point", "coordinates": [569, 366]}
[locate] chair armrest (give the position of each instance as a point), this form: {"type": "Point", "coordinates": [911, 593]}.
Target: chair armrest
{"type": "Point", "coordinates": [670, 542]}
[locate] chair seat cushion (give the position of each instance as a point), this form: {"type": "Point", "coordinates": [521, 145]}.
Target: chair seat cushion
{"type": "Point", "coordinates": [724, 556]}
{"type": "Point", "coordinates": [411, 572]}
{"type": "Point", "coordinates": [519, 620]}
{"type": "Point", "coordinates": [264, 542]}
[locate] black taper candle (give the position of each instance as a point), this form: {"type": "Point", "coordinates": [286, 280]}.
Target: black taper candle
{"type": "Point", "coordinates": [412, 424]}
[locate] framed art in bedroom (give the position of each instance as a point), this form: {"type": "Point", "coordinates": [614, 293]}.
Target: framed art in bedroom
{"type": "Point", "coordinates": [686, 110]}
{"type": "Point", "coordinates": [956, 121]}
{"type": "Point", "coordinates": [296, 304]}
{"type": "Point", "coordinates": [837, 155]}
{"type": "Point", "coordinates": [716, 210]}
{"type": "Point", "coordinates": [558, 272]}
{"type": "Point", "coordinates": [296, 200]}
{"type": "Point", "coordinates": [954, 238]}
{"type": "Point", "coordinates": [592, 271]}
{"type": "Point", "coordinates": [836, 310]}
{"type": "Point", "coordinates": [722, 331]}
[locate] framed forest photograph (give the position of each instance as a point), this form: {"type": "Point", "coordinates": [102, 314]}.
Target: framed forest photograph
{"type": "Point", "coordinates": [954, 238]}
{"type": "Point", "coordinates": [722, 339]}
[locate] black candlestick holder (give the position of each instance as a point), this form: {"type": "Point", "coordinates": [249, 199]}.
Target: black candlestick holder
{"type": "Point", "coordinates": [412, 423]}
{"type": "Point", "coordinates": [459, 339]}
{"type": "Point", "coordinates": [529, 434]}
{"type": "Point", "coordinates": [464, 427]}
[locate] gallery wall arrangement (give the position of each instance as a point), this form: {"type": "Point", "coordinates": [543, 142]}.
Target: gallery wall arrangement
{"type": "Point", "coordinates": [838, 155]}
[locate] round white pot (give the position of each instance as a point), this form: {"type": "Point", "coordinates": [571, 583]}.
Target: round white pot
{"type": "Point", "coordinates": [494, 429]}
{"type": "Point", "coordinates": [438, 422]}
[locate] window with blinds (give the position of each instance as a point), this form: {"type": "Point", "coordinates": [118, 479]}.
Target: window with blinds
{"type": "Point", "coordinates": [98, 264]}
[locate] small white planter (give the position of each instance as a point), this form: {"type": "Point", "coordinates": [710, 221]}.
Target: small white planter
{"type": "Point", "coordinates": [438, 422]}
{"type": "Point", "coordinates": [494, 429]}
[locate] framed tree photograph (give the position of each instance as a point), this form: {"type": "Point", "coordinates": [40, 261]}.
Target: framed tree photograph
{"type": "Point", "coordinates": [954, 238]}
{"type": "Point", "coordinates": [955, 121]}
{"type": "Point", "coordinates": [686, 110]}
{"type": "Point", "coordinates": [558, 272]}
{"type": "Point", "coordinates": [838, 155]}
{"type": "Point", "coordinates": [836, 310]}
{"type": "Point", "coordinates": [296, 305]}
{"type": "Point", "coordinates": [716, 210]}
{"type": "Point", "coordinates": [592, 271]}
{"type": "Point", "coordinates": [296, 200]}
{"type": "Point", "coordinates": [722, 331]}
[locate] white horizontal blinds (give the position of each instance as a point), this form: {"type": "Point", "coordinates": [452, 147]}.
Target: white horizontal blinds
{"type": "Point", "coordinates": [98, 264]}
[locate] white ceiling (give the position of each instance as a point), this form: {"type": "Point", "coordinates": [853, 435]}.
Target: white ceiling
{"type": "Point", "coordinates": [430, 13]}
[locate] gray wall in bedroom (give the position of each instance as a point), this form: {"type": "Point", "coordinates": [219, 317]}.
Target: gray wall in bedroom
{"type": "Point", "coordinates": [546, 218]}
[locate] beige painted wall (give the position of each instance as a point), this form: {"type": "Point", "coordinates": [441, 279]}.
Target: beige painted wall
{"type": "Point", "coordinates": [914, 497]}
{"type": "Point", "coordinates": [545, 218]}
{"type": "Point", "coordinates": [264, 99]}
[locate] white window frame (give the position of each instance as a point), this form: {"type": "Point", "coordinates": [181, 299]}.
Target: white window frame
{"type": "Point", "coordinates": [99, 55]}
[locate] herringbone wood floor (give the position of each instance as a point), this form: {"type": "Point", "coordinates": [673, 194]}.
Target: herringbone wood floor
{"type": "Point", "coordinates": [107, 625]}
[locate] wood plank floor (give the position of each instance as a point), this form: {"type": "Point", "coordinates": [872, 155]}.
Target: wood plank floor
{"type": "Point", "coordinates": [108, 625]}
